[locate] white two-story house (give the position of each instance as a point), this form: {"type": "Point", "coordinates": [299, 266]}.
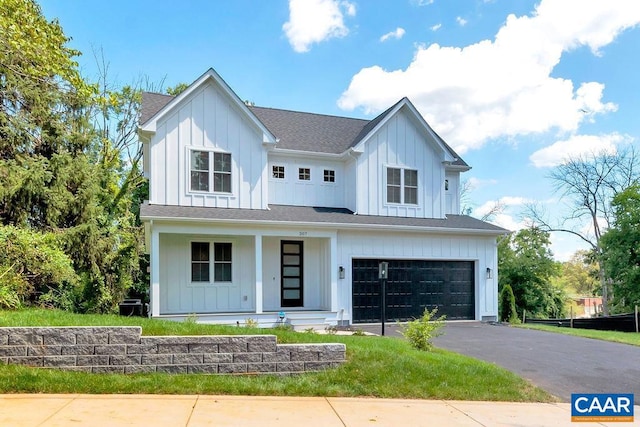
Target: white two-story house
{"type": "Point", "coordinates": [255, 211]}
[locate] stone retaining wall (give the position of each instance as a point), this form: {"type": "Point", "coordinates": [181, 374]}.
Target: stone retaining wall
{"type": "Point", "coordinates": [124, 350]}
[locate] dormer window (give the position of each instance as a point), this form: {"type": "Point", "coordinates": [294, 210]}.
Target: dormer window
{"type": "Point", "coordinates": [201, 167]}
{"type": "Point", "coordinates": [402, 186]}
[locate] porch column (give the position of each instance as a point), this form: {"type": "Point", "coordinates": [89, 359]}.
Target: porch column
{"type": "Point", "coordinates": [258, 257]}
{"type": "Point", "coordinates": [154, 291]}
{"type": "Point", "coordinates": [333, 261]}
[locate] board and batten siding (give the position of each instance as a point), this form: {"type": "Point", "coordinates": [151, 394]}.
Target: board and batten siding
{"type": "Point", "coordinates": [290, 190]}
{"type": "Point", "coordinates": [179, 296]}
{"type": "Point", "coordinates": [407, 246]}
{"type": "Point", "coordinates": [452, 194]}
{"type": "Point", "coordinates": [207, 120]}
{"type": "Point", "coordinates": [316, 277]}
{"type": "Point", "coordinates": [400, 144]}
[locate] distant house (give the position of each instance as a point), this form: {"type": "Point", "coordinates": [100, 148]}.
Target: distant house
{"type": "Point", "coordinates": [588, 306]}
{"type": "Point", "coordinates": [256, 211]}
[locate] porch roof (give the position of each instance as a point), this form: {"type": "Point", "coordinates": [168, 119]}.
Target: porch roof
{"type": "Point", "coordinates": [318, 216]}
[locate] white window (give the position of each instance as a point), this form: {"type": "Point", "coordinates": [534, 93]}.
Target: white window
{"type": "Point", "coordinates": [402, 186]}
{"type": "Point", "coordinates": [201, 262]}
{"type": "Point", "coordinates": [222, 172]}
{"type": "Point", "coordinates": [199, 171]}
{"type": "Point", "coordinates": [222, 262]}
{"type": "Point", "coordinates": [304, 174]}
{"type": "Point", "coordinates": [329, 175]}
{"type": "Point", "coordinates": [278, 172]}
{"type": "Point", "coordinates": [201, 177]}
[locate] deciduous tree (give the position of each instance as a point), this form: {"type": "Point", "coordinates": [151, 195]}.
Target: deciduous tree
{"type": "Point", "coordinates": [621, 249]}
{"type": "Point", "coordinates": [587, 185]}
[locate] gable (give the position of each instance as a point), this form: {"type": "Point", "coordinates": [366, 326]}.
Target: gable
{"type": "Point", "coordinates": [153, 111]}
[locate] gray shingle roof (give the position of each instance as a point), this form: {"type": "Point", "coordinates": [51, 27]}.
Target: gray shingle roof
{"type": "Point", "coordinates": [296, 130]}
{"type": "Point", "coordinates": [318, 215]}
{"type": "Point", "coordinates": [310, 132]}
{"type": "Point", "coordinates": [152, 103]}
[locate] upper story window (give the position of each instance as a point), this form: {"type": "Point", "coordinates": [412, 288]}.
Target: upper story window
{"type": "Point", "coordinates": [402, 186]}
{"type": "Point", "coordinates": [304, 174]}
{"type": "Point", "coordinates": [329, 175]}
{"type": "Point", "coordinates": [200, 171]}
{"type": "Point", "coordinates": [222, 172]}
{"type": "Point", "coordinates": [201, 168]}
{"type": "Point", "coordinates": [278, 172]}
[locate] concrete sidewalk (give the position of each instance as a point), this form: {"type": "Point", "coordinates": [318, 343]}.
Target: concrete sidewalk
{"type": "Point", "coordinates": [192, 411]}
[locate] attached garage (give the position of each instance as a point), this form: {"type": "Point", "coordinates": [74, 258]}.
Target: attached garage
{"type": "Point", "coordinates": [412, 287]}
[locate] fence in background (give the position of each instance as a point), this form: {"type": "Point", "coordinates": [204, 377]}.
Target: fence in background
{"type": "Point", "coordinates": [620, 322]}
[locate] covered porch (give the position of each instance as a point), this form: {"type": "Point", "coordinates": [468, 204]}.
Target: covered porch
{"type": "Point", "coordinates": [248, 274]}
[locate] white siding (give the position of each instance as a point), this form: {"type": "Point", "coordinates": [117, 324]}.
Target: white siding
{"type": "Point", "coordinates": [315, 280]}
{"type": "Point", "coordinates": [207, 120]}
{"type": "Point", "coordinates": [179, 296]}
{"type": "Point", "coordinates": [452, 194]}
{"type": "Point", "coordinates": [389, 245]}
{"type": "Point", "coordinates": [315, 192]}
{"type": "Point", "coordinates": [400, 144]}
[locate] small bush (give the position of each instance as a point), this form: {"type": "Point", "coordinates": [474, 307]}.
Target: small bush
{"type": "Point", "coordinates": [250, 323]}
{"type": "Point", "coordinates": [421, 331]}
{"type": "Point", "coordinates": [331, 330]}
{"type": "Point", "coordinates": [358, 333]}
{"type": "Point", "coordinates": [507, 305]}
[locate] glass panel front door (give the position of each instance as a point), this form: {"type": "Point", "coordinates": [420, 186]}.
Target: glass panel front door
{"type": "Point", "coordinates": [291, 273]}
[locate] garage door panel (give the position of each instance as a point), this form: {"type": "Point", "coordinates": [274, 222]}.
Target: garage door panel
{"type": "Point", "coordinates": [412, 287]}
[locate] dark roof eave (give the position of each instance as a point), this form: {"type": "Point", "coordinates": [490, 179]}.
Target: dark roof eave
{"type": "Point", "coordinates": [350, 222]}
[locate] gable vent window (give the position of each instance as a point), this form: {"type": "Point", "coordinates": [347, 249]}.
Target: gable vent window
{"type": "Point", "coordinates": [402, 186]}
{"type": "Point", "coordinates": [329, 175]}
{"type": "Point", "coordinates": [200, 171]}
{"type": "Point", "coordinates": [278, 172]}
{"type": "Point", "coordinates": [304, 174]}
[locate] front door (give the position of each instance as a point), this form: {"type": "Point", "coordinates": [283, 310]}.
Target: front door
{"type": "Point", "coordinates": [291, 266]}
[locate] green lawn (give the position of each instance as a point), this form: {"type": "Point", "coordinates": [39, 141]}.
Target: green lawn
{"type": "Point", "coordinates": [615, 336]}
{"type": "Point", "coordinates": [377, 366]}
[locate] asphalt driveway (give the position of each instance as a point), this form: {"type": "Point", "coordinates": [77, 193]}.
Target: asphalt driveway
{"type": "Point", "coordinates": [560, 364]}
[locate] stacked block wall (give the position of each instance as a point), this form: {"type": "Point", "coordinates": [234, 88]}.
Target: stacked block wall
{"type": "Point", "coordinates": [124, 350]}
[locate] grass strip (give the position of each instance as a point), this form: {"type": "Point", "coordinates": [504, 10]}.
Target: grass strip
{"type": "Point", "coordinates": [614, 336]}
{"type": "Point", "coordinates": [384, 367]}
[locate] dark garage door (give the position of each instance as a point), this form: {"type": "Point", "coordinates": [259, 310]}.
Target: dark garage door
{"type": "Point", "coordinates": [412, 287]}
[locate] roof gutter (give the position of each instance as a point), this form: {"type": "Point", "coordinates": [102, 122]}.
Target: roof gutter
{"type": "Point", "coordinates": [339, 225]}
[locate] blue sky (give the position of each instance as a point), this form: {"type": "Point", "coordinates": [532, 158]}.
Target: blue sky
{"type": "Point", "coordinates": [514, 86]}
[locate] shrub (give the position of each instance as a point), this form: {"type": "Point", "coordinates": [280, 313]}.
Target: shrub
{"type": "Point", "coordinates": [507, 306]}
{"type": "Point", "coordinates": [421, 331]}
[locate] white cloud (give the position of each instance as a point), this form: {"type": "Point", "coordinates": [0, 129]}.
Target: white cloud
{"type": "Point", "coordinates": [397, 34]}
{"type": "Point", "coordinates": [313, 21]}
{"type": "Point", "coordinates": [461, 21]}
{"type": "Point", "coordinates": [502, 87]}
{"type": "Point", "coordinates": [436, 27]}
{"type": "Point", "coordinates": [422, 2]}
{"type": "Point", "coordinates": [577, 146]}
{"type": "Point", "coordinates": [476, 183]}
